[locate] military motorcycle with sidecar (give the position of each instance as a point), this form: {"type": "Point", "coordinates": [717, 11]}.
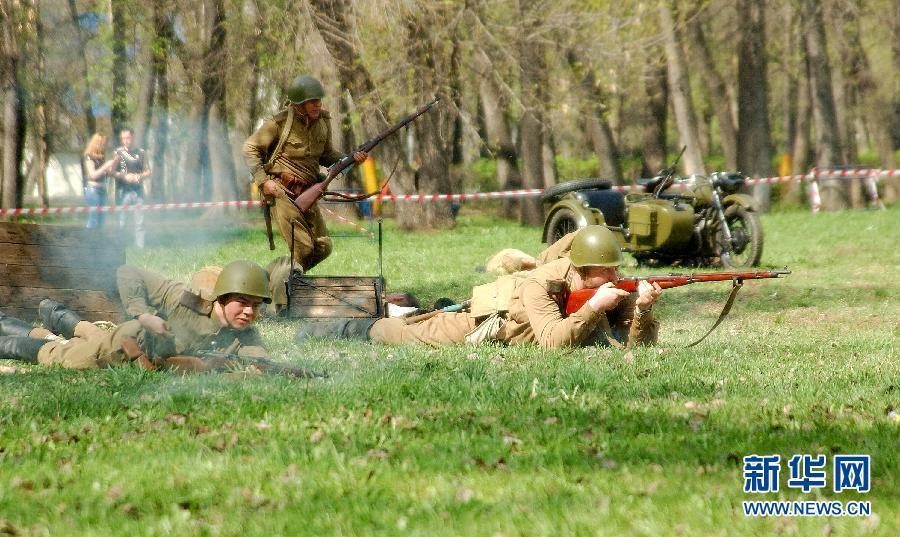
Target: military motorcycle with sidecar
{"type": "Point", "coordinates": [707, 222]}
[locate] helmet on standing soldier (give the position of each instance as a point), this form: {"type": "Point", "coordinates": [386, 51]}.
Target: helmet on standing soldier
{"type": "Point", "coordinates": [595, 246]}
{"type": "Point", "coordinates": [245, 278]}
{"type": "Point", "coordinates": [305, 88]}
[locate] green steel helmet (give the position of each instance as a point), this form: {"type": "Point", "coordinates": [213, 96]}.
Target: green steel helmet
{"type": "Point", "coordinates": [305, 88]}
{"type": "Point", "coordinates": [595, 246]}
{"type": "Point", "coordinates": [243, 277]}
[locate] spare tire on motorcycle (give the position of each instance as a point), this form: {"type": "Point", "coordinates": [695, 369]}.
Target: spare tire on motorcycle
{"type": "Point", "coordinates": [554, 192]}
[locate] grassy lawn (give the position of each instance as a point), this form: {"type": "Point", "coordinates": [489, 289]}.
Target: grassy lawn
{"type": "Point", "coordinates": [483, 440]}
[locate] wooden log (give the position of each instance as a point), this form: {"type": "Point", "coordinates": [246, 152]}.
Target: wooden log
{"type": "Point", "coordinates": [60, 256]}
{"type": "Point", "coordinates": [72, 265]}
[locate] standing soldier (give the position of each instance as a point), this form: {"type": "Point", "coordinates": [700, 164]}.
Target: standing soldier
{"type": "Point", "coordinates": [133, 171]}
{"type": "Point", "coordinates": [284, 156]}
{"type": "Point", "coordinates": [529, 309]}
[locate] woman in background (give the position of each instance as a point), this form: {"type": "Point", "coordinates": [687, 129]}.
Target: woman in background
{"type": "Point", "coordinates": [96, 172]}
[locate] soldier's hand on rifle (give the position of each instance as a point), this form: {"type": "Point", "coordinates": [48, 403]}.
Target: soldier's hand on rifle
{"type": "Point", "coordinates": [606, 297]}
{"type": "Point", "coordinates": [360, 156]}
{"type": "Point", "coordinates": [270, 188]}
{"type": "Point", "coordinates": [647, 295]}
{"type": "Point", "coordinates": [154, 324]}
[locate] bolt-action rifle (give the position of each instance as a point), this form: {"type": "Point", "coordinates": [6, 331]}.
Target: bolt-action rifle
{"type": "Point", "coordinates": [667, 281]}
{"type": "Point", "coordinates": [578, 298]}
{"type": "Point", "coordinates": [311, 195]}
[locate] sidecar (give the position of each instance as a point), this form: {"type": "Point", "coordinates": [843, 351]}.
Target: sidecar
{"type": "Point", "coordinates": [641, 221]}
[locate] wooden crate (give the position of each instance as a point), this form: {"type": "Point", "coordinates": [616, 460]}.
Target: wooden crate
{"type": "Point", "coordinates": [335, 296]}
{"type": "Point", "coordinates": [72, 265]}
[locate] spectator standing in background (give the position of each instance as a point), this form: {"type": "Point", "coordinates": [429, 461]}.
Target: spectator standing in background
{"type": "Point", "coordinates": [95, 173]}
{"type": "Point", "coordinates": [133, 171]}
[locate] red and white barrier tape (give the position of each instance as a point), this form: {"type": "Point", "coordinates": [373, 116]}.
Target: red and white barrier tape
{"type": "Point", "coordinates": [813, 177]}
{"type": "Point", "coordinates": [348, 221]}
{"type": "Point", "coordinates": [463, 197]}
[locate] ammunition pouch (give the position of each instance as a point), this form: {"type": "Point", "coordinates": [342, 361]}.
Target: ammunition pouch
{"type": "Point", "coordinates": [494, 297]}
{"type": "Point", "coordinates": [293, 183]}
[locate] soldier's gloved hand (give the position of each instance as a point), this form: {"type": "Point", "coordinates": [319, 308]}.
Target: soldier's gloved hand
{"type": "Point", "coordinates": [270, 188]}
{"type": "Point", "coordinates": [647, 295]}
{"type": "Point", "coordinates": [360, 156]}
{"type": "Point", "coordinates": [606, 298]}
{"type": "Point", "coordinates": [154, 324]}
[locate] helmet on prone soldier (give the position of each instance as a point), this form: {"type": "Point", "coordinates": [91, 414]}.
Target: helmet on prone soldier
{"type": "Point", "coordinates": [305, 88]}
{"type": "Point", "coordinates": [595, 246]}
{"type": "Point", "coordinates": [245, 278]}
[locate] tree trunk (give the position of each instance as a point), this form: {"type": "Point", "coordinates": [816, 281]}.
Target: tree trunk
{"type": "Point", "coordinates": [800, 149]}
{"type": "Point", "coordinates": [89, 121]}
{"type": "Point", "coordinates": [754, 143]}
{"type": "Point", "coordinates": [330, 18]}
{"type": "Point", "coordinates": [682, 102]}
{"type": "Point", "coordinates": [828, 151]}
{"type": "Point", "coordinates": [159, 66]}
{"type": "Point", "coordinates": [499, 140]}
{"type": "Point", "coordinates": [597, 126]}
{"type": "Point", "coordinates": [892, 184]}
{"type": "Point", "coordinates": [435, 129]}
{"type": "Point", "coordinates": [37, 170]}
{"type": "Point", "coordinates": [548, 156]}
{"type": "Point", "coordinates": [119, 73]}
{"type": "Point", "coordinates": [144, 112]}
{"type": "Point", "coordinates": [530, 125]}
{"type": "Point", "coordinates": [656, 88]}
{"type": "Point", "coordinates": [221, 164]}
{"type": "Point", "coordinates": [791, 192]}
{"type": "Point", "coordinates": [13, 115]}
{"type": "Point", "coordinates": [212, 84]}
{"type": "Point", "coordinates": [871, 104]}
{"type": "Point", "coordinates": [716, 87]}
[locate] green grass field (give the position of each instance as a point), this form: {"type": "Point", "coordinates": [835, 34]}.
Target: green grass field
{"type": "Point", "coordinates": [489, 440]}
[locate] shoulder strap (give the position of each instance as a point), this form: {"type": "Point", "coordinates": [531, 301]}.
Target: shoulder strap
{"type": "Point", "coordinates": [285, 131]}
{"type": "Point", "coordinates": [736, 286]}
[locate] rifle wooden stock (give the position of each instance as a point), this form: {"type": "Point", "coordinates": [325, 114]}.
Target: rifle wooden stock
{"type": "Point", "coordinates": [310, 196]}
{"type": "Point", "coordinates": [577, 299]}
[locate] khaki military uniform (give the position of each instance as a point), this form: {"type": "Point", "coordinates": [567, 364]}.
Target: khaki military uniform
{"type": "Point", "coordinates": [188, 314]}
{"type": "Point", "coordinates": [307, 146]}
{"type": "Point", "coordinates": [534, 315]}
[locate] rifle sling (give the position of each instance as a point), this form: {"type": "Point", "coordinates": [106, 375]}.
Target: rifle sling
{"type": "Point", "coordinates": [736, 286]}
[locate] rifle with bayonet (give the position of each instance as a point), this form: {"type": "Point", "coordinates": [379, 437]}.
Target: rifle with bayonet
{"type": "Point", "coordinates": [311, 195]}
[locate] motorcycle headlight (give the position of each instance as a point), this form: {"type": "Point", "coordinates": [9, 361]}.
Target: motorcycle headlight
{"type": "Point", "coordinates": [728, 182]}
{"type": "Point", "coordinates": [583, 199]}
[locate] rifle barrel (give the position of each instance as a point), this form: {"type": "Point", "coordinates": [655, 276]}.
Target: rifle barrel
{"type": "Point", "coordinates": [309, 197]}
{"type": "Point", "coordinates": [667, 281]}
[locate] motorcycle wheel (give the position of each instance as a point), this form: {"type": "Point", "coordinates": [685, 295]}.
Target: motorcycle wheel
{"type": "Point", "coordinates": [563, 222]}
{"type": "Point", "coordinates": [746, 235]}
{"type": "Point", "coordinates": [556, 191]}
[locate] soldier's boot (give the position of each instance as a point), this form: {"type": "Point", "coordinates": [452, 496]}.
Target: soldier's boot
{"type": "Point", "coordinates": [63, 321]}
{"type": "Point", "coordinates": [322, 247]}
{"type": "Point", "coordinates": [22, 348]}
{"type": "Point", "coordinates": [336, 328]}
{"type": "Point", "coordinates": [10, 326]}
